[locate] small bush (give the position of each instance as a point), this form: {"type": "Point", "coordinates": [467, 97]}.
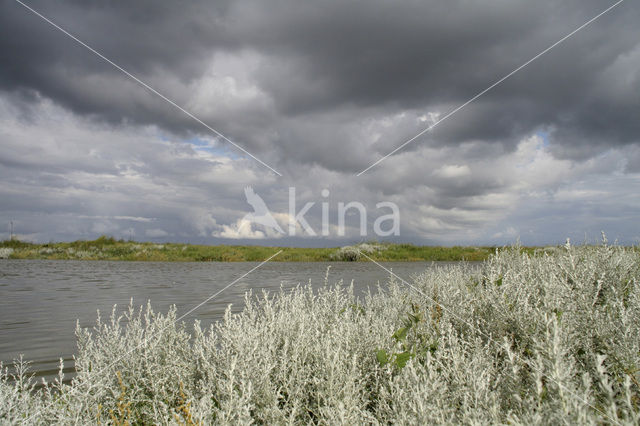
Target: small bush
{"type": "Point", "coordinates": [104, 240]}
{"type": "Point", "coordinates": [15, 243]}
{"type": "Point", "coordinates": [5, 252]}
{"type": "Point", "coordinates": [353, 253]}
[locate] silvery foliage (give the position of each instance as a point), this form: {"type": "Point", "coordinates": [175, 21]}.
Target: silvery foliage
{"type": "Point", "coordinates": [353, 253]}
{"type": "Point", "coordinates": [526, 339]}
{"type": "Point", "coordinates": [5, 252]}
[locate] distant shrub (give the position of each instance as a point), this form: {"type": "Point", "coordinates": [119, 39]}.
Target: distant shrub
{"type": "Point", "coordinates": [83, 254]}
{"type": "Point", "coordinates": [346, 254]}
{"type": "Point", "coordinates": [5, 252]}
{"type": "Point", "coordinates": [15, 243]}
{"type": "Point", "coordinates": [353, 253]}
{"type": "Point", "coordinates": [547, 339]}
{"type": "Point", "coordinates": [49, 250]}
{"type": "Point", "coordinates": [104, 240]}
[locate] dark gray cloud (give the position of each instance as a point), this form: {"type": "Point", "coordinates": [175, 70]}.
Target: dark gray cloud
{"type": "Point", "coordinates": [352, 56]}
{"type": "Point", "coordinates": [318, 90]}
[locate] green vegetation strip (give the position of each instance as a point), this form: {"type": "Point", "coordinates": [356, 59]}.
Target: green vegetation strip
{"type": "Point", "coordinates": [107, 248]}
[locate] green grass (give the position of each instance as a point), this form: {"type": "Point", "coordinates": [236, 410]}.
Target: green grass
{"type": "Point", "coordinates": [108, 248]}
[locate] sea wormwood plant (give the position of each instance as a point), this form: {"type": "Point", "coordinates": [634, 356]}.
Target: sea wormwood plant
{"type": "Point", "coordinates": [353, 253]}
{"type": "Point", "coordinates": [5, 252]}
{"type": "Point", "coordinates": [547, 339]}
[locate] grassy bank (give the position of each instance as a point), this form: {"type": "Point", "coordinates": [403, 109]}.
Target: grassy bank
{"type": "Point", "coordinates": [545, 339]}
{"type": "Point", "coordinates": [105, 248]}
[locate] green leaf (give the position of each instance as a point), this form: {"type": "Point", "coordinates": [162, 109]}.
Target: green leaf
{"type": "Point", "coordinates": [415, 318]}
{"type": "Point", "coordinates": [401, 334]}
{"type": "Point", "coordinates": [402, 358]}
{"type": "Point", "coordinates": [382, 357]}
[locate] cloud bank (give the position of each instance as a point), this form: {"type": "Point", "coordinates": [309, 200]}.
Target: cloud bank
{"type": "Point", "coordinates": [320, 91]}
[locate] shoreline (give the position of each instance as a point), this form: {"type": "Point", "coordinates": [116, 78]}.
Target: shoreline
{"type": "Point", "coordinates": [107, 248]}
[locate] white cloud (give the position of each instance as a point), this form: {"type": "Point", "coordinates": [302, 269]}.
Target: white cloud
{"type": "Point", "coordinates": [453, 171]}
{"type": "Point", "coordinates": [156, 233]}
{"type": "Point", "coordinates": [126, 218]}
{"type": "Point", "coordinates": [246, 229]}
{"type": "Point", "coordinates": [240, 230]}
{"type": "Point", "coordinates": [227, 87]}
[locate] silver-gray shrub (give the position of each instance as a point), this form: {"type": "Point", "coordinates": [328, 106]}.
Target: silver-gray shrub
{"type": "Point", "coordinates": [529, 339]}
{"type": "Point", "coordinates": [5, 252]}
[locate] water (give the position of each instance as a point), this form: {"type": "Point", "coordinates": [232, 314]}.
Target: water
{"type": "Point", "coordinates": [41, 300]}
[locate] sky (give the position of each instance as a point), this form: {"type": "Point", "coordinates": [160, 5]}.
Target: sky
{"type": "Point", "coordinates": [318, 92]}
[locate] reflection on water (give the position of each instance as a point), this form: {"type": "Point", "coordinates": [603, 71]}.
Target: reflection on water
{"type": "Point", "coordinates": [41, 300]}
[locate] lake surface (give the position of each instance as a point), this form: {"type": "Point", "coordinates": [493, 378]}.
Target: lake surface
{"type": "Point", "coordinates": [41, 300]}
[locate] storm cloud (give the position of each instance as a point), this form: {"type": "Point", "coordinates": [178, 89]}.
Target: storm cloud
{"type": "Point", "coordinates": [319, 91]}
